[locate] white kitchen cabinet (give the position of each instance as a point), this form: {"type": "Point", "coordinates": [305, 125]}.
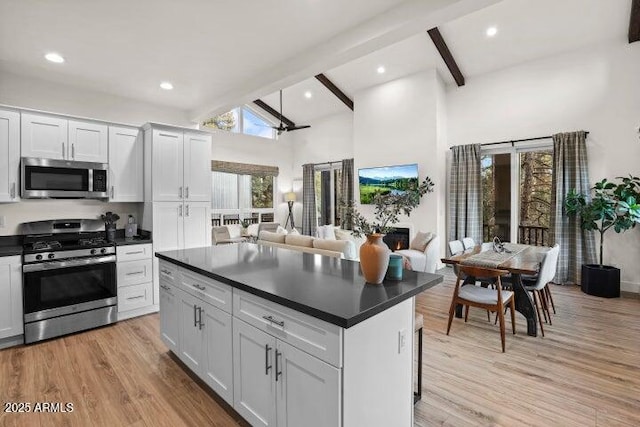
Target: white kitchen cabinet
{"type": "Point", "coordinates": [217, 361]}
{"type": "Point", "coordinates": [197, 167]}
{"type": "Point", "coordinates": [52, 137]}
{"type": "Point", "coordinates": [169, 315]}
{"type": "Point", "coordinates": [11, 317]}
{"type": "Point", "coordinates": [308, 390]}
{"type": "Point", "coordinates": [168, 226]}
{"type": "Point", "coordinates": [126, 162]}
{"type": "Point", "coordinates": [167, 169]}
{"type": "Point", "coordinates": [191, 342]}
{"type": "Point", "coordinates": [9, 155]}
{"type": "Point", "coordinates": [134, 267]}
{"type": "Point", "coordinates": [197, 224]}
{"type": "Point", "coordinates": [44, 136]}
{"type": "Point", "coordinates": [88, 142]}
{"type": "Point", "coordinates": [254, 386]}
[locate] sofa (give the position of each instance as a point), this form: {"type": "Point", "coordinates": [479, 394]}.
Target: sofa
{"type": "Point", "coordinates": [308, 244]}
{"type": "Point", "coordinates": [423, 252]}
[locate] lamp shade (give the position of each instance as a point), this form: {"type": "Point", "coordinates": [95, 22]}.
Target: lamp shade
{"type": "Point", "coordinates": [290, 196]}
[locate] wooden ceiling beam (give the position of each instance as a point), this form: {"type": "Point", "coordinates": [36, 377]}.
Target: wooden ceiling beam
{"type": "Point", "coordinates": [446, 55]}
{"type": "Point", "coordinates": [335, 90]}
{"type": "Point", "coordinates": [634, 22]}
{"type": "Point", "coordinates": [275, 113]}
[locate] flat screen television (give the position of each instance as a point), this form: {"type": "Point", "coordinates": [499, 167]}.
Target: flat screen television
{"type": "Point", "coordinates": [387, 179]}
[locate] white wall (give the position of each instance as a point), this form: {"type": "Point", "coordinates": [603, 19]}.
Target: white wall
{"type": "Point", "coordinates": [233, 147]}
{"type": "Point", "coordinates": [27, 92]}
{"type": "Point", "coordinates": [595, 89]}
{"type": "Point", "coordinates": [396, 123]}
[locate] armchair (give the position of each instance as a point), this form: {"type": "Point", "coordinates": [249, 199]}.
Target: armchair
{"type": "Point", "coordinates": [427, 260]}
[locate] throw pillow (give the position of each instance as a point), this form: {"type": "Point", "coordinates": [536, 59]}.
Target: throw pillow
{"type": "Point", "coordinates": [299, 240]}
{"type": "Point", "coordinates": [282, 230]}
{"type": "Point", "coordinates": [326, 232]}
{"type": "Point", "coordinates": [420, 242]}
{"type": "Point", "coordinates": [294, 232]}
{"type": "Point", "coordinates": [270, 236]}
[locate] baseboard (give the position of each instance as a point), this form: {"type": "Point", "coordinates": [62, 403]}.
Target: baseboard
{"type": "Point", "coordinates": [137, 312]}
{"type": "Point", "coordinates": [630, 287]}
{"type": "Point", "coordinates": [11, 341]}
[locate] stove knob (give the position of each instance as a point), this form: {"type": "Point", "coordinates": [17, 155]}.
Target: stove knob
{"type": "Point", "coordinates": [51, 256]}
{"type": "Point", "coordinates": [38, 257]}
{"type": "Point", "coordinates": [93, 251]}
{"type": "Point", "coordinates": [103, 251]}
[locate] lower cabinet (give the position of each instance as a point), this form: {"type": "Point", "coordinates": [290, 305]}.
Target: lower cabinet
{"type": "Point", "coordinates": [277, 384]}
{"type": "Point", "coordinates": [11, 318]}
{"type": "Point", "coordinates": [169, 315]}
{"type": "Point", "coordinates": [135, 280]}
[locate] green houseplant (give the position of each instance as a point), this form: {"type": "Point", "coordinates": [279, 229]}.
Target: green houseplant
{"type": "Point", "coordinates": [374, 254]}
{"type": "Point", "coordinates": [614, 205]}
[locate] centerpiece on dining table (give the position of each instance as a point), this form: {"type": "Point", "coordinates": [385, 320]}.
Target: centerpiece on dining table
{"type": "Point", "coordinates": [374, 253]}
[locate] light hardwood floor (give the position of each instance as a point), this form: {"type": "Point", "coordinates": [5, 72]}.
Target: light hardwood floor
{"type": "Point", "coordinates": [585, 372]}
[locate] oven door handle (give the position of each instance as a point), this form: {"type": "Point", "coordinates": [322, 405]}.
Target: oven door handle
{"type": "Point", "coordinates": [53, 265]}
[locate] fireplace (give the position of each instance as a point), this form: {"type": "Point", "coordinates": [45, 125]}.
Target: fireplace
{"type": "Point", "coordinates": [397, 239]}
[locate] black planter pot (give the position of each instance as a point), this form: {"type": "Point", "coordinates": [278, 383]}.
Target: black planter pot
{"type": "Point", "coordinates": [601, 281]}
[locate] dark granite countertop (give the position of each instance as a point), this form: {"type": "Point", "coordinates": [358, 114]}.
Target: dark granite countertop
{"type": "Point", "coordinates": [141, 238]}
{"type": "Point", "coordinates": [10, 245]}
{"type": "Point", "coordinates": [331, 289]}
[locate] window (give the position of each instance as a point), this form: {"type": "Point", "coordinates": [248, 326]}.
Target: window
{"type": "Point", "coordinates": [328, 190]}
{"type": "Point", "coordinates": [234, 191]}
{"type": "Point", "coordinates": [242, 120]}
{"type": "Point", "coordinates": [516, 191]}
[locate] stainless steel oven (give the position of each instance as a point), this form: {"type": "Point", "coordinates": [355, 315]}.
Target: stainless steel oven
{"type": "Point", "coordinates": [47, 178]}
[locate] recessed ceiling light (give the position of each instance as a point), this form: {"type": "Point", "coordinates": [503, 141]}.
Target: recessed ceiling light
{"type": "Point", "coordinates": [308, 94]}
{"type": "Point", "coordinates": [166, 85]}
{"type": "Point", "coordinates": [381, 70]}
{"type": "Point", "coordinates": [54, 57]}
{"type": "Point", "coordinates": [491, 31]}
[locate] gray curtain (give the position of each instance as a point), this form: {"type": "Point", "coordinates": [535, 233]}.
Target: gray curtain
{"type": "Point", "coordinates": [308, 200]}
{"type": "Point", "coordinates": [577, 247]}
{"type": "Point", "coordinates": [465, 193]}
{"type": "Point", "coordinates": [346, 186]}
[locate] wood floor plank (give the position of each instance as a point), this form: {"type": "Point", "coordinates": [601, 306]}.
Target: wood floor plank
{"type": "Point", "coordinates": [584, 372]}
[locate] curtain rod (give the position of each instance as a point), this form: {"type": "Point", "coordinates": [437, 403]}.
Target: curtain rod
{"type": "Point", "coordinates": [513, 141]}
{"type": "Point", "coordinates": [327, 163]}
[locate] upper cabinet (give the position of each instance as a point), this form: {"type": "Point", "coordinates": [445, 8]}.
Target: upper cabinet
{"type": "Point", "coordinates": [88, 142]}
{"type": "Point", "coordinates": [125, 165]}
{"type": "Point", "coordinates": [9, 155]}
{"type": "Point", "coordinates": [178, 165]}
{"type": "Point", "coordinates": [44, 136]}
{"type": "Point", "coordinates": [52, 137]}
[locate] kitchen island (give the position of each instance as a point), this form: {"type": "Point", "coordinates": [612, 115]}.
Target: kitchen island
{"type": "Point", "coordinates": [289, 338]}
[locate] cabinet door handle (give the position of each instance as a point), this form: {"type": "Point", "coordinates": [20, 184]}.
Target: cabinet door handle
{"type": "Point", "coordinates": [134, 252]}
{"type": "Point", "coordinates": [195, 317]}
{"type": "Point", "coordinates": [64, 155]}
{"type": "Point", "coordinates": [112, 192]}
{"type": "Point", "coordinates": [167, 272]}
{"type": "Point", "coordinates": [73, 151]}
{"type": "Point", "coordinates": [180, 193]}
{"type": "Point", "coordinates": [267, 366]}
{"type": "Point", "coordinates": [270, 319]}
{"type": "Point", "coordinates": [134, 273]}
{"type": "Point", "coordinates": [138, 297]}
{"type": "Point", "coordinates": [13, 190]}
{"type": "Point", "coordinates": [202, 288]}
{"type": "Point", "coordinates": [186, 196]}
{"type": "Point", "coordinates": [200, 324]}
{"type": "Point", "coordinates": [187, 210]}
{"type": "Point", "coordinates": [180, 210]}
{"type": "Point", "coordinates": [278, 367]}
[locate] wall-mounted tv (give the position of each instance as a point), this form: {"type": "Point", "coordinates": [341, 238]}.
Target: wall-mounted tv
{"type": "Point", "coordinates": [385, 180]}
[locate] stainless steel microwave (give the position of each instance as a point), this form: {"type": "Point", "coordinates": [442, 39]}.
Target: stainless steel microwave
{"type": "Point", "coordinates": [62, 179]}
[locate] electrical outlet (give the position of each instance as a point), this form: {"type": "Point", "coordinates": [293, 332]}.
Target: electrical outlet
{"type": "Point", "coordinates": [402, 340]}
{"type": "Point", "coordinates": [3, 221]}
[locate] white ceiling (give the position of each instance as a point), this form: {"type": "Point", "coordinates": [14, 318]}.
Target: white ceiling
{"type": "Point", "coordinates": [527, 30]}
{"type": "Point", "coordinates": [223, 53]}
{"type": "Point", "coordinates": [214, 52]}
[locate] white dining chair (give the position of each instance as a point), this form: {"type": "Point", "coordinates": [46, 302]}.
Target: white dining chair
{"type": "Point", "coordinates": [545, 275]}
{"type": "Point", "coordinates": [456, 247]}
{"type": "Point", "coordinates": [468, 243]}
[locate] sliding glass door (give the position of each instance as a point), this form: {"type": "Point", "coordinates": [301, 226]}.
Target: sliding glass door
{"type": "Point", "coordinates": [516, 190]}
{"type": "Point", "coordinates": [328, 194]}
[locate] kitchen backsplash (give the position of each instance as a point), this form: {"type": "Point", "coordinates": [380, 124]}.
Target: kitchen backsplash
{"type": "Point", "coordinates": [37, 210]}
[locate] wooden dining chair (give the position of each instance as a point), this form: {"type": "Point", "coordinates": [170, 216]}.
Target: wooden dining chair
{"type": "Point", "coordinates": [485, 298]}
{"type": "Point", "coordinates": [540, 287]}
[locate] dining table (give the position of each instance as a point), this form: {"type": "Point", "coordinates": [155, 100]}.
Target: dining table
{"type": "Point", "coordinates": [519, 260]}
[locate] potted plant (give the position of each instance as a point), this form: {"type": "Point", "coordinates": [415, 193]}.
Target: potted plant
{"type": "Point", "coordinates": [374, 254]}
{"type": "Point", "coordinates": [615, 205]}
{"type": "Point", "coordinates": [110, 220]}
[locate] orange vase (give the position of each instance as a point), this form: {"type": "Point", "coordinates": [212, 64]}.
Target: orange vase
{"type": "Point", "coordinates": [374, 258]}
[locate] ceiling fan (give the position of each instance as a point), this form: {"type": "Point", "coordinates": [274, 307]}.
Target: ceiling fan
{"type": "Point", "coordinates": [282, 128]}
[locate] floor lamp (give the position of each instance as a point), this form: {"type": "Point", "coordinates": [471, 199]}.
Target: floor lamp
{"type": "Point", "coordinates": [290, 198]}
